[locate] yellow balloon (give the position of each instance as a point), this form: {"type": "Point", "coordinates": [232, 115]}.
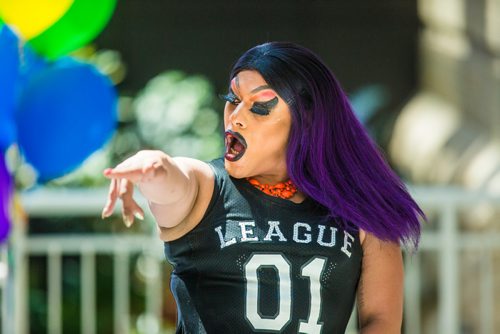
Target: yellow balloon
{"type": "Point", "coordinates": [32, 17]}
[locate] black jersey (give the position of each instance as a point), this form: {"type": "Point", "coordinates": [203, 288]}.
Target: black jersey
{"type": "Point", "coordinates": [262, 264]}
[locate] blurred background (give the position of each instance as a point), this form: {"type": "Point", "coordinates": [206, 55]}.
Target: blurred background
{"type": "Point", "coordinates": [86, 83]}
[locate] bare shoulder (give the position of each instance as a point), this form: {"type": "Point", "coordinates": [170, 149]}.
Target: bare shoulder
{"type": "Point", "coordinates": [380, 290]}
{"type": "Point", "coordinates": [362, 236]}
{"type": "Point", "coordinates": [200, 168]}
{"type": "Point", "coordinates": [203, 176]}
{"type": "Point", "coordinates": [371, 244]}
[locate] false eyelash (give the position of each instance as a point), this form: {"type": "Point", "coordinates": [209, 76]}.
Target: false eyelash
{"type": "Point", "coordinates": [259, 108]}
{"type": "Point", "coordinates": [230, 97]}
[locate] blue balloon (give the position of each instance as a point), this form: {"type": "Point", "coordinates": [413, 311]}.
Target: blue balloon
{"type": "Point", "coordinates": [66, 112]}
{"type": "Point", "coordinates": [9, 71]}
{"type": "Point", "coordinates": [5, 198]}
{"type": "Point", "coordinates": [31, 64]}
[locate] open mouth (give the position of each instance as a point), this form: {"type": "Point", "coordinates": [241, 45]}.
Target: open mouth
{"type": "Point", "coordinates": [235, 146]}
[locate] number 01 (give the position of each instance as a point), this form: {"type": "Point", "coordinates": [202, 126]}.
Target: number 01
{"type": "Point", "coordinates": [312, 270]}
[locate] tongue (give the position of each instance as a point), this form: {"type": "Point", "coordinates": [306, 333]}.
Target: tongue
{"type": "Point", "coordinates": [238, 146]}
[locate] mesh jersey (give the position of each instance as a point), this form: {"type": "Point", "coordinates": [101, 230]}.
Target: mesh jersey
{"type": "Point", "coordinates": [257, 263]}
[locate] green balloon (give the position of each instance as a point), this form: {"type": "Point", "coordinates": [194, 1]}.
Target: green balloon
{"type": "Point", "coordinates": [83, 21]}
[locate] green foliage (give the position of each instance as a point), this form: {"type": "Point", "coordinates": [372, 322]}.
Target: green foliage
{"type": "Point", "coordinates": [174, 113]}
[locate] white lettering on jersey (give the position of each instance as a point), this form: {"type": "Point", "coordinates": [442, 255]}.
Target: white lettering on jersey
{"type": "Point", "coordinates": [274, 230]}
{"type": "Point", "coordinates": [347, 243]}
{"type": "Point", "coordinates": [247, 234]}
{"type": "Point", "coordinates": [224, 243]}
{"type": "Point", "coordinates": [302, 233]}
{"type": "Point", "coordinates": [307, 236]}
{"type": "Point", "coordinates": [322, 232]}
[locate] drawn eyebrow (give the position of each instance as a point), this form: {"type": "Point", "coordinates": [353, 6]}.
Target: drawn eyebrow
{"type": "Point", "coordinates": [253, 91]}
{"type": "Point", "coordinates": [258, 89]}
{"type": "Point", "coordinates": [268, 104]}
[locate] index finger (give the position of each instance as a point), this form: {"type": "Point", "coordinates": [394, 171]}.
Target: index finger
{"type": "Point", "coordinates": [133, 175]}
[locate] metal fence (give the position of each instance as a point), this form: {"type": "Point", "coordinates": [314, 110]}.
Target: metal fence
{"type": "Point", "coordinates": [442, 238]}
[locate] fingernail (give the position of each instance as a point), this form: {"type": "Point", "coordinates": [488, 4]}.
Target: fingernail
{"type": "Point", "coordinates": [107, 171]}
{"type": "Point", "coordinates": [104, 213]}
{"type": "Point", "coordinates": [139, 215]}
{"type": "Point", "coordinates": [128, 222]}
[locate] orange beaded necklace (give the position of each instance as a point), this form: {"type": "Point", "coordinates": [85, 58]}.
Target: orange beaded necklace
{"type": "Point", "coordinates": [283, 190]}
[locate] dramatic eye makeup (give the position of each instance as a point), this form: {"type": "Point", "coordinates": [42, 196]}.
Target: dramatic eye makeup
{"type": "Point", "coordinates": [230, 97]}
{"type": "Point", "coordinates": [259, 108]}
{"type": "Point", "coordinates": [264, 108]}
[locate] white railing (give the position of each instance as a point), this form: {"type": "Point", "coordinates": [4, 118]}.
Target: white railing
{"type": "Point", "coordinates": [443, 239]}
{"type": "Point", "coordinates": [85, 203]}
{"type": "Point", "coordinates": [447, 241]}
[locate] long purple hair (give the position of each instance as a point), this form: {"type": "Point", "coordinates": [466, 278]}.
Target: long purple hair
{"type": "Point", "coordinates": [330, 157]}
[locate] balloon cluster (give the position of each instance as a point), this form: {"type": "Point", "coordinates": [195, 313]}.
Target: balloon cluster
{"type": "Point", "coordinates": [58, 110]}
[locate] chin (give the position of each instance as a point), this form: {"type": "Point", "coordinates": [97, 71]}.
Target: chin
{"type": "Point", "coordinates": [235, 169]}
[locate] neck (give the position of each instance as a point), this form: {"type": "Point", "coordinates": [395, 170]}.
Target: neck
{"type": "Point", "coordinates": [271, 179]}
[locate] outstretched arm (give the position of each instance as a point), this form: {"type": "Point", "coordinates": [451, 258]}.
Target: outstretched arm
{"type": "Point", "coordinates": [380, 291]}
{"type": "Point", "coordinates": [170, 185]}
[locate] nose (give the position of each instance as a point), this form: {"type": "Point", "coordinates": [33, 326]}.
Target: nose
{"type": "Point", "coordinates": [237, 117]}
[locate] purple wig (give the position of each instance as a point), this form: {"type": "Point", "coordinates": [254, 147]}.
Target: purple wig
{"type": "Point", "coordinates": [330, 157]}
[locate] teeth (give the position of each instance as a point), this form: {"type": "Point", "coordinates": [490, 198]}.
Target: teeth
{"type": "Point", "coordinates": [230, 142]}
